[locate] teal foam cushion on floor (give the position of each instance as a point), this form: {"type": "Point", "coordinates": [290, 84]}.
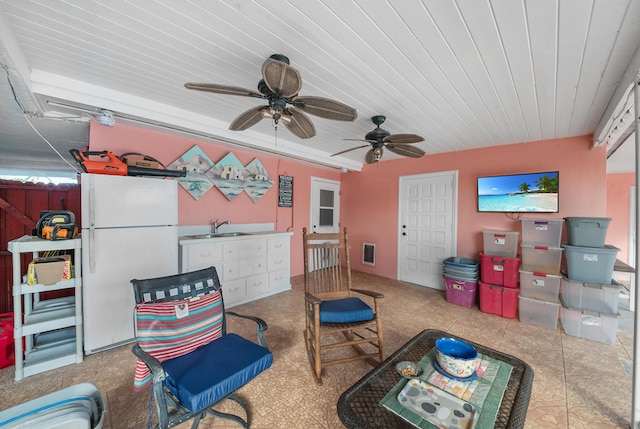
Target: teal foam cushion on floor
{"type": "Point", "coordinates": [212, 372]}
{"type": "Point", "coordinates": [345, 310]}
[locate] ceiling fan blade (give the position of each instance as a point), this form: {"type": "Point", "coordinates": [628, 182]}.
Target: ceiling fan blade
{"type": "Point", "coordinates": [410, 151]}
{"type": "Point", "coordinates": [325, 108]}
{"type": "Point", "coordinates": [403, 138]}
{"type": "Point", "coordinates": [359, 140]}
{"type": "Point", "coordinates": [223, 89]}
{"type": "Point", "coordinates": [371, 158]}
{"type": "Point", "coordinates": [281, 78]}
{"type": "Point", "coordinates": [349, 150]}
{"type": "Point", "coordinates": [298, 123]}
{"type": "Point", "coordinates": [247, 119]}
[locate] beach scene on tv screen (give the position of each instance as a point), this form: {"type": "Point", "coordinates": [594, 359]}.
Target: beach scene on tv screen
{"type": "Point", "coordinates": [535, 192]}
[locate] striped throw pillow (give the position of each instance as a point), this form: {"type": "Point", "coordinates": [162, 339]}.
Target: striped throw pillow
{"type": "Point", "coordinates": [170, 329]}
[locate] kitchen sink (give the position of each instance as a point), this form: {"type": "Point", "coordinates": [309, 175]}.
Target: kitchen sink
{"type": "Point", "coordinates": [222, 234]}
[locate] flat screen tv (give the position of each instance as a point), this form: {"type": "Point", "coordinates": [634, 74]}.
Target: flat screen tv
{"type": "Point", "coordinates": [519, 193]}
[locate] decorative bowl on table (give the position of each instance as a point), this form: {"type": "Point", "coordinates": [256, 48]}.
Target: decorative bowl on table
{"type": "Point", "coordinates": [409, 369]}
{"type": "Point", "coordinates": [456, 357]}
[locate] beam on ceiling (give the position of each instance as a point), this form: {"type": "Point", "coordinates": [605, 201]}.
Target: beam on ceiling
{"type": "Point", "coordinates": [621, 102]}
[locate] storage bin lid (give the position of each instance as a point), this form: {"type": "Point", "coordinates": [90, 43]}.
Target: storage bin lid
{"type": "Point", "coordinates": [541, 301]}
{"type": "Point", "coordinates": [498, 257]}
{"type": "Point", "coordinates": [538, 247]}
{"type": "Point", "coordinates": [531, 273]}
{"type": "Point", "coordinates": [541, 221]}
{"type": "Point", "coordinates": [588, 312]}
{"type": "Point", "coordinates": [608, 249]}
{"type": "Point", "coordinates": [461, 262]}
{"type": "Point", "coordinates": [490, 231]}
{"type": "Point", "coordinates": [599, 220]}
{"type": "Point", "coordinates": [613, 284]}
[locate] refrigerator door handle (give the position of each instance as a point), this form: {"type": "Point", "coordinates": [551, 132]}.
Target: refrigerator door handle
{"type": "Point", "coordinates": [92, 250]}
{"type": "Point", "coordinates": [92, 224]}
{"type": "Point", "coordinates": [92, 198]}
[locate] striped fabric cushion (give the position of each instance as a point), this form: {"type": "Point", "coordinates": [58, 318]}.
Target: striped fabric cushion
{"type": "Point", "coordinates": [170, 329]}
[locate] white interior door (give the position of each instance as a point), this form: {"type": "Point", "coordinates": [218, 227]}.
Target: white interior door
{"type": "Point", "coordinates": [325, 205]}
{"type": "Point", "coordinates": [427, 226]}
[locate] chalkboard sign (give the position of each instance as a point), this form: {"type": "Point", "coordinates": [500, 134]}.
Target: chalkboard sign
{"type": "Point", "coordinates": [285, 191]}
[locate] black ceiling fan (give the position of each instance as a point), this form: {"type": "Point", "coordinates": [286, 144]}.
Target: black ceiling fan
{"type": "Point", "coordinates": [379, 138]}
{"type": "Point", "coordinates": [280, 85]}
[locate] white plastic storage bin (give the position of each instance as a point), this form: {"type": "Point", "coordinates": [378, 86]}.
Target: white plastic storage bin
{"type": "Point", "coordinates": [501, 243]}
{"type": "Point", "coordinates": [590, 264]}
{"type": "Point", "coordinates": [587, 231]}
{"type": "Point", "coordinates": [541, 259]}
{"type": "Point", "coordinates": [80, 406]}
{"type": "Point", "coordinates": [603, 298]}
{"type": "Point", "coordinates": [591, 325]}
{"type": "Point", "coordinates": [539, 285]}
{"type": "Point", "coordinates": [538, 312]}
{"type": "Point", "coordinates": [542, 232]}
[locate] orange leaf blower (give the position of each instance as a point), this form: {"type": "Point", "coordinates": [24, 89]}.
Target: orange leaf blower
{"type": "Point", "coordinates": [111, 164]}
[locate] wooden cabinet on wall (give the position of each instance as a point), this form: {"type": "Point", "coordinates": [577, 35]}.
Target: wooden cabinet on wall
{"type": "Point", "coordinates": [250, 266]}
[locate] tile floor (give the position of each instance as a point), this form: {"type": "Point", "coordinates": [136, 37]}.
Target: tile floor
{"type": "Point", "coordinates": [578, 383]}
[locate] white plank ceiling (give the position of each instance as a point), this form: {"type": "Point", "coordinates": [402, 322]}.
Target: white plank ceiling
{"type": "Point", "coordinates": [463, 74]}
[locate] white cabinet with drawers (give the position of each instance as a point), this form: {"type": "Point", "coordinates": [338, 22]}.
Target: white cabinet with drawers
{"type": "Point", "coordinates": [250, 266]}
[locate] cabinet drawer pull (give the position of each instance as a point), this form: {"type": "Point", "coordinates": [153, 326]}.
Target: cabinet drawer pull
{"type": "Point", "coordinates": [203, 255]}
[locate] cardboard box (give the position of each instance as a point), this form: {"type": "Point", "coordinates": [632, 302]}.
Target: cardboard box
{"type": "Point", "coordinates": [137, 162]}
{"type": "Point", "coordinates": [49, 271]}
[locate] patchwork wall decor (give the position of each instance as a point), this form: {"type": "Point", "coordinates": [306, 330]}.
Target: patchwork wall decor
{"type": "Point", "coordinates": [196, 163]}
{"type": "Point", "coordinates": [228, 175]}
{"type": "Point", "coordinates": [258, 181]}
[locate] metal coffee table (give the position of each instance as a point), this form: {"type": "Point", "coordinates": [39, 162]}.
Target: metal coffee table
{"type": "Point", "coordinates": [359, 407]}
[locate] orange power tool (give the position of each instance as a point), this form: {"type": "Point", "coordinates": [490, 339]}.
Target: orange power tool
{"type": "Point", "coordinates": [111, 164]}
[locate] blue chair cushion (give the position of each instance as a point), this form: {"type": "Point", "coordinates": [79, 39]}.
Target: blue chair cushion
{"type": "Point", "coordinates": [210, 373]}
{"type": "Point", "coordinates": [345, 310]}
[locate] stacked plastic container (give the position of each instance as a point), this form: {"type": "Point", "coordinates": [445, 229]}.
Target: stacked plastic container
{"type": "Point", "coordinates": [589, 296]}
{"type": "Point", "coordinates": [499, 273]}
{"type": "Point", "coordinates": [461, 280]}
{"type": "Point", "coordinates": [7, 351]}
{"type": "Point", "coordinates": [540, 272]}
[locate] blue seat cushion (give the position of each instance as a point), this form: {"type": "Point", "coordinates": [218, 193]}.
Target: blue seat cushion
{"type": "Point", "coordinates": [345, 310]}
{"type": "Point", "coordinates": [210, 373]}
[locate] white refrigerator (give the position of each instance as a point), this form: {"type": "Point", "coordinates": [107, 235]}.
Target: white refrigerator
{"type": "Point", "coordinates": [129, 230]}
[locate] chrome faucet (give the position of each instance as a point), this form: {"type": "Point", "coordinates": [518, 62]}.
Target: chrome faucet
{"type": "Point", "coordinates": [215, 225]}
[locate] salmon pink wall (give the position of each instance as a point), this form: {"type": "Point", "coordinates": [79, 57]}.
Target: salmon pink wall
{"type": "Point", "coordinates": [372, 215]}
{"type": "Point", "coordinates": [166, 148]}
{"type": "Point", "coordinates": [618, 200]}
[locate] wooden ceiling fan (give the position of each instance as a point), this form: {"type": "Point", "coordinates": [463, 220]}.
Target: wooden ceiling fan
{"type": "Point", "coordinates": [280, 85]}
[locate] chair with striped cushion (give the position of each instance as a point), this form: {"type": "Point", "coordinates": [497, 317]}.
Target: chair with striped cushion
{"type": "Point", "coordinates": [184, 349]}
{"type": "Point", "coordinates": [336, 315]}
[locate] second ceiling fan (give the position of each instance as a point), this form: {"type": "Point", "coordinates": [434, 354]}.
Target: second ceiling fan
{"type": "Point", "coordinates": [379, 138]}
{"type": "Point", "coordinates": [280, 85]}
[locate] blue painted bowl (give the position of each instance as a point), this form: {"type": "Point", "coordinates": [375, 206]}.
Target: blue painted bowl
{"type": "Point", "coordinates": [456, 357]}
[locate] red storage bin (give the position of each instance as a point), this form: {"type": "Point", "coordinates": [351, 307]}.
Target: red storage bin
{"type": "Point", "coordinates": [499, 300]}
{"type": "Point", "coordinates": [460, 292]}
{"type": "Point", "coordinates": [7, 348]}
{"type": "Point", "coordinates": [499, 270]}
